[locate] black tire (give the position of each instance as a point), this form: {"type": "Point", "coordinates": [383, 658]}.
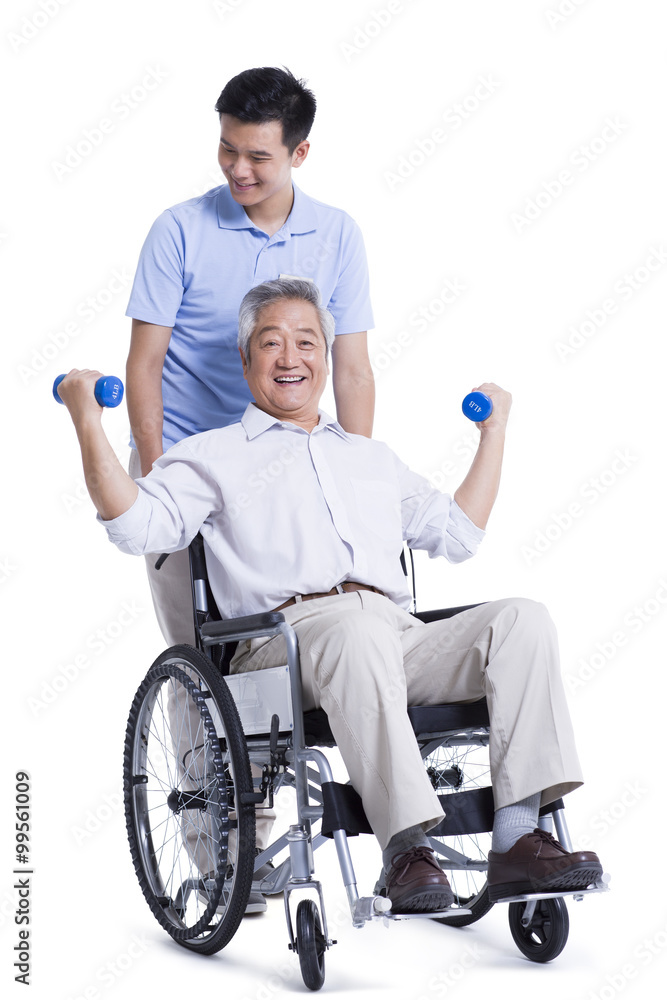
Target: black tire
{"type": "Point", "coordinates": [453, 769]}
{"type": "Point", "coordinates": [546, 935]}
{"type": "Point", "coordinates": [186, 782]}
{"type": "Point", "coordinates": [310, 944]}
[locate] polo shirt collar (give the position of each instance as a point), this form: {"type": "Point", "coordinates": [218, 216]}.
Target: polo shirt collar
{"type": "Point", "coordinates": [231, 215]}
{"type": "Point", "coordinates": [302, 218]}
{"type": "Point", "coordinates": [256, 422]}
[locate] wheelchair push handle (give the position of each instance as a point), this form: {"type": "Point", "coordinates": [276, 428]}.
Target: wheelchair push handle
{"type": "Point", "coordinates": [477, 406]}
{"type": "Point", "coordinates": [108, 390]}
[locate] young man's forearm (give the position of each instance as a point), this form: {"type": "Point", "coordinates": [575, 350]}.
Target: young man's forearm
{"type": "Point", "coordinates": [143, 375]}
{"type": "Point", "coordinates": [355, 407]}
{"type": "Point", "coordinates": [353, 384]}
{"type": "Point", "coordinates": [144, 407]}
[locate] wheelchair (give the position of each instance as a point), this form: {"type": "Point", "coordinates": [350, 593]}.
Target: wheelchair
{"type": "Point", "coordinates": [203, 748]}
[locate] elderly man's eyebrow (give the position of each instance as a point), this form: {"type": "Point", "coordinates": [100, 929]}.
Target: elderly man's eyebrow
{"type": "Point", "coordinates": [299, 329]}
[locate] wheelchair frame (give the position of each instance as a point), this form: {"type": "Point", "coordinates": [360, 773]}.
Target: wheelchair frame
{"type": "Point", "coordinates": [538, 921]}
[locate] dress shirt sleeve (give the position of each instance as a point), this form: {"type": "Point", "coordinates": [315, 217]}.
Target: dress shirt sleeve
{"type": "Point", "coordinates": [350, 302]}
{"type": "Point", "coordinates": [173, 502]}
{"type": "Point", "coordinates": [158, 283]}
{"type": "Point", "coordinates": [434, 521]}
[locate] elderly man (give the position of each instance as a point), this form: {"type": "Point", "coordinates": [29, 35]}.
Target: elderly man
{"type": "Point", "coordinates": [301, 516]}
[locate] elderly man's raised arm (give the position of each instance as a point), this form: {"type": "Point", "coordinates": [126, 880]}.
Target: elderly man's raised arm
{"type": "Point", "coordinates": [163, 511]}
{"type": "Point", "coordinates": [477, 493]}
{"type": "Point", "coordinates": [112, 491]}
{"type": "Point", "coordinates": [454, 527]}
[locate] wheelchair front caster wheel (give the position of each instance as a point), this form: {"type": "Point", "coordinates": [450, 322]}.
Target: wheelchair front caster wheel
{"type": "Point", "coordinates": [310, 944]}
{"type": "Point", "coordinates": [545, 936]}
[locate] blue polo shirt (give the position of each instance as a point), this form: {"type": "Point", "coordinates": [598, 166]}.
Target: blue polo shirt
{"type": "Point", "coordinates": [199, 260]}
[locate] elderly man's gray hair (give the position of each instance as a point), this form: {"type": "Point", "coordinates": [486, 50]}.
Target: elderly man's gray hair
{"type": "Point", "coordinates": [273, 291]}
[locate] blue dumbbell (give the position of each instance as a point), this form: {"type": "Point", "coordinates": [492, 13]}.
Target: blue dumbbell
{"type": "Point", "coordinates": [477, 406]}
{"type": "Point", "coordinates": [108, 390]}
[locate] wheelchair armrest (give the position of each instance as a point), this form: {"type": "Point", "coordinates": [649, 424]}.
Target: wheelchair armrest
{"type": "Point", "coordinates": [235, 629]}
{"type": "Point", "coordinates": [441, 613]}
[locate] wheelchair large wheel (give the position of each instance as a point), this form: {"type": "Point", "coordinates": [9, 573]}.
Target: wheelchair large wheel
{"type": "Point", "coordinates": [453, 769]}
{"type": "Point", "coordinates": [188, 803]}
{"type": "Point", "coordinates": [545, 936]}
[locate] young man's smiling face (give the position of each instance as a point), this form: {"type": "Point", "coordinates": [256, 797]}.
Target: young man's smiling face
{"type": "Point", "coordinates": [286, 368]}
{"type": "Point", "coordinates": [256, 163]}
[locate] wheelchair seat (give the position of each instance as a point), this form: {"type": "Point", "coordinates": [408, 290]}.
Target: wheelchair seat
{"type": "Point", "coordinates": [425, 720]}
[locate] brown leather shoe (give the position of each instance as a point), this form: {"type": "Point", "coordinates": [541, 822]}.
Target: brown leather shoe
{"type": "Point", "coordinates": [538, 863]}
{"type": "Point", "coordinates": [416, 883]}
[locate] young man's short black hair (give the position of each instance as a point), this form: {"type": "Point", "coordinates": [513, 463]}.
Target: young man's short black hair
{"type": "Point", "coordinates": [270, 94]}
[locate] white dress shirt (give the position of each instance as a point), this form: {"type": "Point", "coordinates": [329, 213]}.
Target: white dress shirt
{"type": "Point", "coordinates": [285, 512]}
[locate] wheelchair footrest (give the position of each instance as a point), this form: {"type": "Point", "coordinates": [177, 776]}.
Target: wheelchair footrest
{"type": "Point", "coordinates": [367, 907]}
{"type": "Point", "coordinates": [601, 885]}
{"type": "Point", "coordinates": [452, 913]}
{"type": "Point", "coordinates": [371, 907]}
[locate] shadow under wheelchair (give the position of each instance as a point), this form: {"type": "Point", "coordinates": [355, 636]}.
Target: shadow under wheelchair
{"type": "Point", "coordinates": [202, 750]}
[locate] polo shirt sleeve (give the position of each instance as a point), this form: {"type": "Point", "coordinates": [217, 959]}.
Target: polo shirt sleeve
{"type": "Point", "coordinates": [350, 303]}
{"type": "Point", "coordinates": [434, 521]}
{"type": "Point", "coordinates": [158, 283]}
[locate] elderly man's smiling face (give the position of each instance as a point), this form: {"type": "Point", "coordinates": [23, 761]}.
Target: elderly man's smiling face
{"type": "Point", "coordinates": [286, 368]}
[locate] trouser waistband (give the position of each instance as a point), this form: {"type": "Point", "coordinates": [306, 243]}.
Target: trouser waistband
{"type": "Point", "coordinates": [342, 588]}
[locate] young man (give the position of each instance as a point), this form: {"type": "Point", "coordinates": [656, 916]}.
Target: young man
{"type": "Point", "coordinates": [322, 547]}
{"type": "Point", "coordinates": [184, 374]}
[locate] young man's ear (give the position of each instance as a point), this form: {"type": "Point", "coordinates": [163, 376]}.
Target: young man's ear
{"type": "Point", "coordinates": [300, 153]}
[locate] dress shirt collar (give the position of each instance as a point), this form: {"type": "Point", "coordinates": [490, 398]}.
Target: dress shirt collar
{"type": "Point", "coordinates": [256, 422]}
{"type": "Point", "coordinates": [302, 218]}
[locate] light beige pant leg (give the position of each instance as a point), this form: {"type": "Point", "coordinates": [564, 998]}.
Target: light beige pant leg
{"type": "Point", "coordinates": [189, 745]}
{"type": "Point", "coordinates": [364, 660]}
{"type": "Point", "coordinates": [188, 736]}
{"type": "Point", "coordinates": [170, 586]}
{"type": "Point", "coordinates": [352, 667]}
{"type": "Point", "coordinates": [505, 650]}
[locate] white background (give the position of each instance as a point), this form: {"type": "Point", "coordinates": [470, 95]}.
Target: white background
{"type": "Point", "coordinates": [78, 626]}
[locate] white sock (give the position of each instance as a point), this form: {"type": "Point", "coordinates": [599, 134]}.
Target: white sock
{"type": "Point", "coordinates": [511, 822]}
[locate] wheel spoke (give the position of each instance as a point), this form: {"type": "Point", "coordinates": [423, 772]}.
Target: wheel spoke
{"type": "Point", "coordinates": [455, 769]}
{"type": "Point", "coordinates": [180, 787]}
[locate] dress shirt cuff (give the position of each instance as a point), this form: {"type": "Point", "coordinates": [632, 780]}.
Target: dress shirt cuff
{"type": "Point", "coordinates": [465, 530]}
{"type": "Point", "coordinates": [125, 528]}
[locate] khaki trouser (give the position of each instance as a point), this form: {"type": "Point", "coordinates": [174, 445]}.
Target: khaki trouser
{"type": "Point", "coordinates": [364, 660]}
{"type": "Point", "coordinates": [170, 586]}
{"type": "Point", "coordinates": [171, 591]}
